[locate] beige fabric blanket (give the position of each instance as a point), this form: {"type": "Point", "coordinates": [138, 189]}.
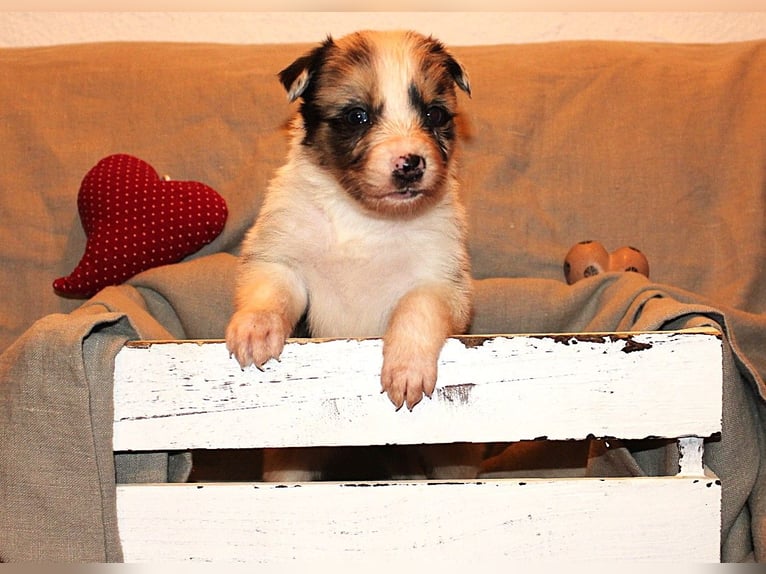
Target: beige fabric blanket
{"type": "Point", "coordinates": [58, 501]}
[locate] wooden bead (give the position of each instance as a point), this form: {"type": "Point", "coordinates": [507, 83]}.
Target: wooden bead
{"type": "Point", "coordinates": [585, 259]}
{"type": "Point", "coordinates": [629, 259]}
{"type": "Point", "coordinates": [589, 258]}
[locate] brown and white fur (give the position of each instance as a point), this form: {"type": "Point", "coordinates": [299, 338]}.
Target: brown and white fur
{"type": "Point", "coordinates": [362, 229]}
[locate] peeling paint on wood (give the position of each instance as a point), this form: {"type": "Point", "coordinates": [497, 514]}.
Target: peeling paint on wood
{"type": "Point", "coordinates": [494, 388]}
{"type": "Point", "coordinates": [178, 395]}
{"type": "Point", "coordinates": [631, 346]}
{"type": "Point", "coordinates": [409, 526]}
{"type": "Point", "coordinates": [456, 393]}
{"type": "Point", "coordinates": [690, 450]}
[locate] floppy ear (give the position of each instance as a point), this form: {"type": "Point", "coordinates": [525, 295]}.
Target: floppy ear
{"type": "Point", "coordinates": [296, 77]}
{"type": "Point", "coordinates": [458, 73]}
{"type": "Point", "coordinates": [454, 68]}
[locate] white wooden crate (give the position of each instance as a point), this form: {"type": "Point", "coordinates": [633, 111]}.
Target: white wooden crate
{"type": "Point", "coordinates": [185, 395]}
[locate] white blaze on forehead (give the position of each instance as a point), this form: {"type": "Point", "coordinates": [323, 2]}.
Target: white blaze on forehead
{"type": "Point", "coordinates": [396, 63]}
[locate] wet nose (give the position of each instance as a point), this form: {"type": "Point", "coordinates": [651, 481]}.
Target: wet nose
{"type": "Point", "coordinates": [409, 168]}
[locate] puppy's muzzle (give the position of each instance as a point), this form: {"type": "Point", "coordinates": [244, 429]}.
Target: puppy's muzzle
{"type": "Point", "coordinates": [409, 169]}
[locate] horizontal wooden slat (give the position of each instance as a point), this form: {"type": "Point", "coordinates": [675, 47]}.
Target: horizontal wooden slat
{"type": "Point", "coordinates": [175, 395]}
{"type": "Point", "coordinates": [433, 524]}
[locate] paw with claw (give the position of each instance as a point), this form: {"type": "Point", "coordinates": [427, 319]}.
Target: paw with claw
{"type": "Point", "coordinates": [407, 377]}
{"type": "Point", "coordinates": [253, 337]}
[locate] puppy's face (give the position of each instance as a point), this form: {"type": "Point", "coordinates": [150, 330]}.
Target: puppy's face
{"type": "Point", "coordinates": [379, 112]}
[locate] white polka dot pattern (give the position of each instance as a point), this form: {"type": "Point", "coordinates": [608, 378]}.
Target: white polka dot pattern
{"type": "Point", "coordinates": [134, 220]}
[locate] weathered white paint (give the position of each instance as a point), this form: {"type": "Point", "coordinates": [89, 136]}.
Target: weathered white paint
{"type": "Point", "coordinates": [502, 388]}
{"type": "Point", "coordinates": [191, 394]}
{"type": "Point", "coordinates": [690, 451]}
{"type": "Point", "coordinates": [406, 525]}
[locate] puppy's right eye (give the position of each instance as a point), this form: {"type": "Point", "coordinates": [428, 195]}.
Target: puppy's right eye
{"type": "Point", "coordinates": [357, 117]}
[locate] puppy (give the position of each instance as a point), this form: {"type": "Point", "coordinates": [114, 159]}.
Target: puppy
{"type": "Point", "coordinates": [361, 231]}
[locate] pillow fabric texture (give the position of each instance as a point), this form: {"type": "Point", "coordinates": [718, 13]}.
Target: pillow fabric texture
{"type": "Point", "coordinates": [135, 220]}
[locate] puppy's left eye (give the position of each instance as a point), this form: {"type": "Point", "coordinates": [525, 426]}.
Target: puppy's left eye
{"type": "Point", "coordinates": [436, 117]}
{"type": "Point", "coordinates": [357, 117]}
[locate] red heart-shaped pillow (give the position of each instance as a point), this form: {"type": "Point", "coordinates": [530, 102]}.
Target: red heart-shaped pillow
{"type": "Point", "coordinates": [134, 220]}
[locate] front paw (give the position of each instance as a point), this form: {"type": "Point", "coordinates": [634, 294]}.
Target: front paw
{"type": "Point", "coordinates": [407, 379]}
{"type": "Point", "coordinates": [254, 337]}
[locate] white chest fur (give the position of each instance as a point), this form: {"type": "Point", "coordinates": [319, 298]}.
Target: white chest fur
{"type": "Point", "coordinates": [354, 265]}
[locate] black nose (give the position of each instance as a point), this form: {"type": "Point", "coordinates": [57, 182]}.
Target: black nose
{"type": "Point", "coordinates": [409, 168]}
